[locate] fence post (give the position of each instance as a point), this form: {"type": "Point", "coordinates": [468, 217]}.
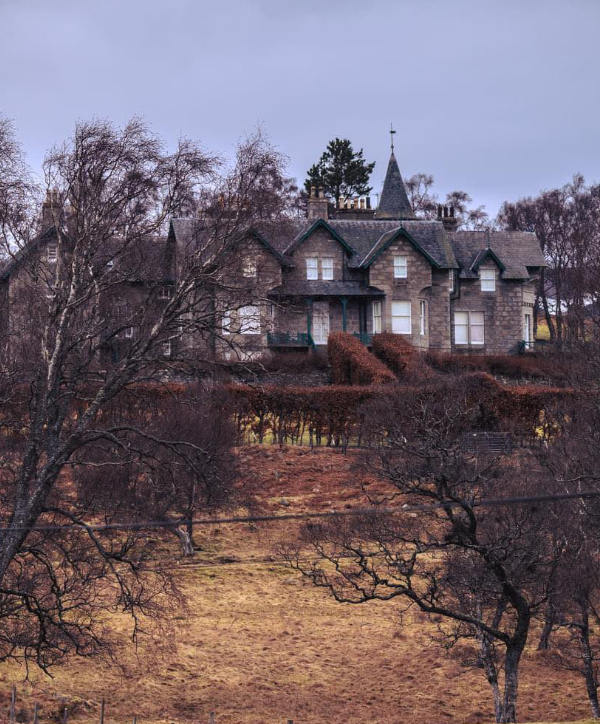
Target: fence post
{"type": "Point", "coordinates": [102, 712]}
{"type": "Point", "coordinates": [211, 718]}
{"type": "Point", "coordinates": [13, 704]}
{"type": "Point", "coordinates": [35, 713]}
{"type": "Point", "coordinates": [65, 715]}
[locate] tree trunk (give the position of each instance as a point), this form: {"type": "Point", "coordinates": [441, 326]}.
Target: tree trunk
{"type": "Point", "coordinates": [549, 621]}
{"type": "Point", "coordinates": [511, 683]}
{"type": "Point", "coordinates": [587, 657]}
{"type": "Point", "coordinates": [491, 672]}
{"type": "Point", "coordinates": [187, 549]}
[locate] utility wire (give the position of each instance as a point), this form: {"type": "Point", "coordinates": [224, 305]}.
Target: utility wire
{"type": "Point", "coordinates": [149, 524]}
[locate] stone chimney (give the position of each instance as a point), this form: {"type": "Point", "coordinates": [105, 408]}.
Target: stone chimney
{"type": "Point", "coordinates": [51, 209]}
{"type": "Point", "coordinates": [317, 207]}
{"type": "Point", "coordinates": [445, 214]}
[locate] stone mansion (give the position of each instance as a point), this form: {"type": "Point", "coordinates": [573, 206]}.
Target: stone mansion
{"type": "Point", "coordinates": [364, 271]}
{"type": "Point", "coordinates": [354, 269]}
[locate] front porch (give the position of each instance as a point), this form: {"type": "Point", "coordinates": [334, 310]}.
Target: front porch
{"type": "Point", "coordinates": [305, 321]}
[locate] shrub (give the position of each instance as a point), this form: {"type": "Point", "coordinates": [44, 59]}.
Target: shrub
{"type": "Point", "coordinates": [315, 415]}
{"type": "Point", "coordinates": [353, 364]}
{"type": "Point", "coordinates": [514, 366]}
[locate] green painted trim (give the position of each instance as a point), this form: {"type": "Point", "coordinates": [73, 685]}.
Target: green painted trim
{"type": "Point", "coordinates": [403, 232]}
{"type": "Point", "coordinates": [344, 302]}
{"type": "Point", "coordinates": [259, 237]}
{"type": "Point", "coordinates": [488, 253]}
{"type": "Point", "coordinates": [321, 223]}
{"type": "Point", "coordinates": [309, 304]}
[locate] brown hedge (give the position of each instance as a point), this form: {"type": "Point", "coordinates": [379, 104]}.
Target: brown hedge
{"type": "Point", "coordinates": [526, 366]}
{"type": "Point", "coordinates": [295, 415]}
{"type": "Point", "coordinates": [353, 364]}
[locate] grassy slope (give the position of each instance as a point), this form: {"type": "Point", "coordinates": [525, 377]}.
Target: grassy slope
{"type": "Point", "coordinates": [258, 645]}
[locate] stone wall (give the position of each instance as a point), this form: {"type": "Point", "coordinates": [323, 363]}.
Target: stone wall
{"type": "Point", "coordinates": [503, 310]}
{"type": "Point", "coordinates": [320, 244]}
{"type": "Point", "coordinates": [418, 286]}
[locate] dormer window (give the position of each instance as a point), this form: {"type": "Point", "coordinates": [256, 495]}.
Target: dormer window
{"type": "Point", "coordinates": [327, 268]}
{"type": "Point", "coordinates": [312, 268]}
{"type": "Point", "coordinates": [488, 280]}
{"type": "Point", "coordinates": [401, 267]}
{"type": "Point", "coordinates": [249, 269]}
{"type": "Point", "coordinates": [51, 253]}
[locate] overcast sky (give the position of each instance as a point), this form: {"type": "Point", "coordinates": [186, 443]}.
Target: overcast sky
{"type": "Point", "coordinates": [500, 99]}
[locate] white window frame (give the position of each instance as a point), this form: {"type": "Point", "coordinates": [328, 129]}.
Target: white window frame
{"type": "Point", "coordinates": [528, 330]}
{"type": "Point", "coordinates": [167, 348]}
{"type": "Point", "coordinates": [488, 280]}
{"type": "Point", "coordinates": [451, 277]}
{"type": "Point", "coordinates": [377, 317]}
{"type": "Point", "coordinates": [401, 266]}
{"type": "Point", "coordinates": [164, 292]}
{"type": "Point", "coordinates": [226, 322]}
{"type": "Point", "coordinates": [249, 319]}
{"type": "Point", "coordinates": [422, 317]}
{"type": "Point", "coordinates": [312, 268]}
{"type": "Point", "coordinates": [128, 333]}
{"type": "Point", "coordinates": [468, 324]}
{"type": "Point", "coordinates": [327, 271]}
{"type": "Point", "coordinates": [250, 269]}
{"type": "Point", "coordinates": [52, 253]}
{"type": "Point", "coordinates": [401, 320]}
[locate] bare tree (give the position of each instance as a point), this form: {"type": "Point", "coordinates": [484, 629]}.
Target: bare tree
{"type": "Point", "coordinates": [100, 304]}
{"type": "Point", "coordinates": [486, 571]}
{"type": "Point", "coordinates": [566, 221]}
{"type": "Point", "coordinates": [425, 203]}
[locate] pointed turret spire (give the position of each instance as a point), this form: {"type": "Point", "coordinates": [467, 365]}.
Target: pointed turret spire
{"type": "Point", "coordinates": [394, 203]}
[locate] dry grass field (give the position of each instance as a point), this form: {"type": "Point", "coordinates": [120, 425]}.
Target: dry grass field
{"type": "Point", "coordinates": [258, 645]}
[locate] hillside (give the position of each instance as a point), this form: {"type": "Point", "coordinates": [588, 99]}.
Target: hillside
{"type": "Point", "coordinates": [259, 645]}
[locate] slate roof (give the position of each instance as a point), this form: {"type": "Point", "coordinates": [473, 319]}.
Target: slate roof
{"type": "Point", "coordinates": [430, 236]}
{"type": "Point", "coordinates": [324, 288]}
{"type": "Point", "coordinates": [394, 203]}
{"type": "Point", "coordinates": [517, 250]}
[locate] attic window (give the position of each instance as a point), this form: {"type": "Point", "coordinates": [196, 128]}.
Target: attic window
{"type": "Point", "coordinates": [164, 293]}
{"type": "Point", "coordinates": [400, 267]}
{"type": "Point", "coordinates": [249, 269]}
{"type": "Point", "coordinates": [488, 280]}
{"type": "Point", "coordinates": [312, 268]}
{"type": "Point", "coordinates": [51, 253]}
{"type": "Point", "coordinates": [327, 267]}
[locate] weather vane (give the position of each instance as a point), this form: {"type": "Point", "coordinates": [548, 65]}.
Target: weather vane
{"type": "Point", "coordinates": [392, 136]}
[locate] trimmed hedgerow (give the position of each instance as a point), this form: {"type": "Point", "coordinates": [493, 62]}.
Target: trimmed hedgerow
{"type": "Point", "coordinates": [353, 364]}
{"type": "Point", "coordinates": [296, 415]}
{"type": "Point", "coordinates": [513, 366]}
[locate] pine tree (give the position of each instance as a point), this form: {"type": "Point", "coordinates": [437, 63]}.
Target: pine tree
{"type": "Point", "coordinates": [341, 171]}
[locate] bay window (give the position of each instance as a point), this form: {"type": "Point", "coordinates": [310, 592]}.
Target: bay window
{"type": "Point", "coordinates": [249, 317]}
{"type": "Point", "coordinates": [401, 318]}
{"type": "Point", "coordinates": [377, 327]}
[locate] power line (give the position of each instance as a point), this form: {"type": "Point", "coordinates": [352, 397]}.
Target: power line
{"type": "Point", "coordinates": [149, 524]}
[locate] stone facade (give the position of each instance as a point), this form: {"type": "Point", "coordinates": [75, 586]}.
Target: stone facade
{"type": "Point", "coordinates": [361, 271]}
